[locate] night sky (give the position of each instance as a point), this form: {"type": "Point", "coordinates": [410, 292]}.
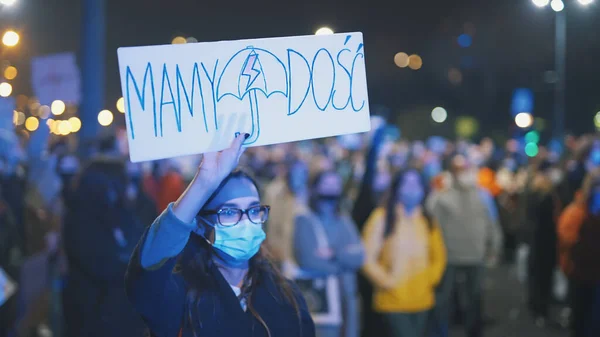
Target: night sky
{"type": "Point", "coordinates": [513, 46]}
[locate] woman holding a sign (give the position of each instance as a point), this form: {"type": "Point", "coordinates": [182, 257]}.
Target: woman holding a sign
{"type": "Point", "coordinates": [199, 269]}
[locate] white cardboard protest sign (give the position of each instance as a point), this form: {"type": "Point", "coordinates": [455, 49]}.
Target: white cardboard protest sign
{"type": "Point", "coordinates": [192, 98]}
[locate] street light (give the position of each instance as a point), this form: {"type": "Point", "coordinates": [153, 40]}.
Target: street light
{"type": "Point", "coordinates": [560, 55]}
{"type": "Point", "coordinates": [7, 3]}
{"type": "Point", "coordinates": [557, 5]}
{"type": "Point", "coordinates": [324, 31]}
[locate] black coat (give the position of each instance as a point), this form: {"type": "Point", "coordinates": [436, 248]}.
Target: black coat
{"type": "Point", "coordinates": [160, 297]}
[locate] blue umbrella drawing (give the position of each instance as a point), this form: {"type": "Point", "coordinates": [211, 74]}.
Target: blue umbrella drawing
{"type": "Point", "coordinates": [248, 72]}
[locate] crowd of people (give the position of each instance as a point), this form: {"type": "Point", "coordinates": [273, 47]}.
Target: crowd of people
{"type": "Point", "coordinates": [380, 236]}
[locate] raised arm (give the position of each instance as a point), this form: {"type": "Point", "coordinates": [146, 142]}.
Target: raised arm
{"type": "Point", "coordinates": [365, 204]}
{"type": "Point", "coordinates": [157, 295]}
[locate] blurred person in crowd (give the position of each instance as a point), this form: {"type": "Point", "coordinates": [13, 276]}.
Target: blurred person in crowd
{"type": "Point", "coordinates": [100, 231]}
{"type": "Point", "coordinates": [44, 207]}
{"type": "Point", "coordinates": [469, 221]}
{"type": "Point", "coordinates": [135, 197]}
{"type": "Point", "coordinates": [12, 177]}
{"type": "Point", "coordinates": [432, 167]}
{"type": "Point", "coordinates": [544, 208]}
{"type": "Point", "coordinates": [68, 166]}
{"type": "Point", "coordinates": [39, 297]}
{"type": "Point", "coordinates": [11, 258]}
{"type": "Point", "coordinates": [327, 244]}
{"type": "Point", "coordinates": [406, 257]}
{"type": "Point", "coordinates": [199, 269]}
{"type": "Point", "coordinates": [165, 184]}
{"type": "Point", "coordinates": [286, 196]}
{"type": "Point", "coordinates": [576, 168]}
{"type": "Point", "coordinates": [366, 201]}
{"type": "Point", "coordinates": [508, 204]}
{"type": "Point", "coordinates": [578, 237]}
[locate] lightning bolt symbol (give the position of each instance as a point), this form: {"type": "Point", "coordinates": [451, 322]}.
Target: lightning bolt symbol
{"type": "Point", "coordinates": [249, 69]}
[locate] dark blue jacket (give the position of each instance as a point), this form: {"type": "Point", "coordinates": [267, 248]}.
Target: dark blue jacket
{"type": "Point", "coordinates": [160, 297]}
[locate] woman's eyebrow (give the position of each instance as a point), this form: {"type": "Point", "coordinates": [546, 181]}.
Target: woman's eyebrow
{"type": "Point", "coordinates": [232, 205]}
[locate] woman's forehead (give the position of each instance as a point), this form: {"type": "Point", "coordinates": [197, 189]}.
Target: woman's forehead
{"type": "Point", "coordinates": [236, 191]}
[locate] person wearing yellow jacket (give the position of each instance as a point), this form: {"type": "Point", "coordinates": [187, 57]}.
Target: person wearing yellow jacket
{"type": "Point", "coordinates": [405, 257]}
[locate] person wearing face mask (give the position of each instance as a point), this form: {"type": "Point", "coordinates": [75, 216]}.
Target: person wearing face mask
{"type": "Point", "coordinates": [578, 236]}
{"type": "Point", "coordinates": [543, 209]}
{"type": "Point", "coordinates": [327, 247]}
{"type": "Point", "coordinates": [99, 234]}
{"type": "Point", "coordinates": [200, 269]}
{"type": "Point", "coordinates": [405, 257]}
{"type": "Point", "coordinates": [469, 221]}
{"type": "Point", "coordinates": [366, 201]}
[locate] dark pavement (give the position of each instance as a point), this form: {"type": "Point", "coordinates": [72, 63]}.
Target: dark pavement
{"type": "Point", "coordinates": [505, 305]}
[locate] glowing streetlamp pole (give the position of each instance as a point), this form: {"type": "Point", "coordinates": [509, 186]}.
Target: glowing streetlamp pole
{"type": "Point", "coordinates": [560, 57]}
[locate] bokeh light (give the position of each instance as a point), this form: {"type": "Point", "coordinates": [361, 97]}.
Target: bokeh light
{"type": "Point", "coordinates": [44, 112]}
{"type": "Point", "coordinates": [455, 76]}
{"type": "Point", "coordinates": [466, 127]}
{"type": "Point", "coordinates": [18, 117]}
{"type": "Point", "coordinates": [5, 89]}
{"type": "Point", "coordinates": [557, 5]}
{"type": "Point", "coordinates": [10, 73]}
{"type": "Point", "coordinates": [121, 105]}
{"type": "Point", "coordinates": [401, 60]}
{"type": "Point", "coordinates": [324, 31]}
{"type": "Point", "coordinates": [10, 38]}
{"type": "Point", "coordinates": [415, 62]}
{"type": "Point", "coordinates": [64, 128]}
{"type": "Point", "coordinates": [179, 40]}
{"type": "Point", "coordinates": [597, 120]}
{"type": "Point", "coordinates": [191, 40]}
{"type": "Point", "coordinates": [75, 124]}
{"type": "Point", "coordinates": [531, 149]}
{"type": "Point", "coordinates": [523, 120]}
{"type": "Point", "coordinates": [32, 124]}
{"type": "Point", "coordinates": [105, 117]}
{"type": "Point", "coordinates": [52, 125]}
{"type": "Point", "coordinates": [465, 40]}
{"type": "Point", "coordinates": [585, 2]}
{"type": "Point", "coordinates": [58, 107]}
{"type": "Point", "coordinates": [541, 3]}
{"type": "Point", "coordinates": [532, 137]}
{"type": "Point", "coordinates": [439, 114]}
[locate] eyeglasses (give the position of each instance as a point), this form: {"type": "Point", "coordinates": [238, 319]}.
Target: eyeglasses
{"type": "Point", "coordinates": [232, 216]}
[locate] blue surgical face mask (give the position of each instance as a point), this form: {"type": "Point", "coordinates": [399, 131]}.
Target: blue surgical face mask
{"type": "Point", "coordinates": [238, 244]}
{"type": "Point", "coordinates": [411, 199]}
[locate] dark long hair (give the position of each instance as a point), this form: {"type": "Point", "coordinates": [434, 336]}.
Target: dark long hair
{"type": "Point", "coordinates": [393, 197]}
{"type": "Point", "coordinates": [196, 262]}
{"type": "Point", "coordinates": [313, 186]}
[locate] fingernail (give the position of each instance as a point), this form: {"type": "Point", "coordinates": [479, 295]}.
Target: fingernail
{"type": "Point", "coordinates": [237, 134]}
{"type": "Point", "coordinates": [247, 135]}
